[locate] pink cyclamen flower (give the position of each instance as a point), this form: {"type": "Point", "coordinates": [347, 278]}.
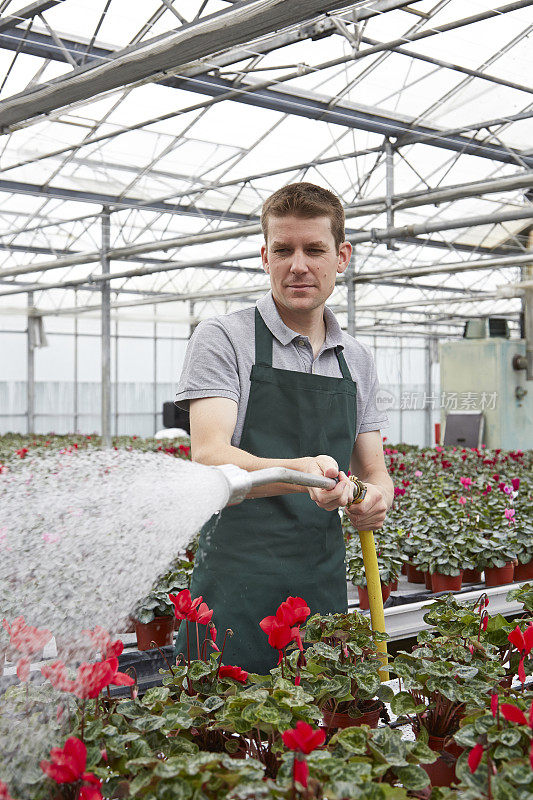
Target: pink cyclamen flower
{"type": "Point", "coordinates": [418, 473]}
{"type": "Point", "coordinates": [467, 482]}
{"type": "Point", "coordinates": [462, 500]}
{"type": "Point", "coordinates": [509, 513]}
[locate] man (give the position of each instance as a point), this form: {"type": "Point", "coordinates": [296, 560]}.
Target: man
{"type": "Point", "coordinates": [273, 386]}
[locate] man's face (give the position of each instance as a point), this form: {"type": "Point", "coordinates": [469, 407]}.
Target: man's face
{"type": "Point", "coordinates": [302, 261]}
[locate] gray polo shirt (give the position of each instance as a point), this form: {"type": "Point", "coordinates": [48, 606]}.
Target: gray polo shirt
{"type": "Point", "coordinates": [221, 352]}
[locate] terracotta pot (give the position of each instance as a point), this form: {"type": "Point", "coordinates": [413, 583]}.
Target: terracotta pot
{"type": "Point", "coordinates": [414, 575]}
{"type": "Point", "coordinates": [446, 583]}
{"type": "Point", "coordinates": [404, 568]}
{"type": "Point", "coordinates": [394, 586]}
{"type": "Point", "coordinates": [370, 718]}
{"type": "Point", "coordinates": [442, 771]}
{"type": "Point", "coordinates": [524, 572]}
{"type": "Point", "coordinates": [160, 630]}
{"type": "Point", "coordinates": [362, 591]}
{"type": "Point", "coordinates": [427, 579]}
{"type": "Point", "coordinates": [496, 576]}
{"type": "Point", "coordinates": [472, 576]}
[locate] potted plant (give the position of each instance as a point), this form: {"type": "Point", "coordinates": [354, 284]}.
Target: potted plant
{"type": "Point", "coordinates": [497, 558]}
{"type": "Point", "coordinates": [362, 763]}
{"type": "Point", "coordinates": [497, 750]}
{"type": "Point", "coordinates": [522, 537]}
{"type": "Point", "coordinates": [440, 677]}
{"type": "Point", "coordinates": [154, 615]}
{"type": "Point", "coordinates": [341, 670]}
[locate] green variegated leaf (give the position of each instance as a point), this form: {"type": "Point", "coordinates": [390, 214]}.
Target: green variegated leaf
{"type": "Point", "coordinates": [412, 777]}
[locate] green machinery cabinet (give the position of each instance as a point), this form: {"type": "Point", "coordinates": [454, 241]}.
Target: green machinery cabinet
{"type": "Point", "coordinates": [478, 375]}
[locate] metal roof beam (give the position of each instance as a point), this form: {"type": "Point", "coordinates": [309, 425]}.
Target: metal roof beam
{"type": "Point", "coordinates": [20, 187]}
{"type": "Point", "coordinates": [170, 52]}
{"type": "Point", "coordinates": [376, 205]}
{"type": "Point", "coordinates": [309, 106]}
{"type": "Point", "coordinates": [373, 235]}
{"type": "Point", "coordinates": [446, 268]}
{"type": "Point", "coordinates": [28, 12]}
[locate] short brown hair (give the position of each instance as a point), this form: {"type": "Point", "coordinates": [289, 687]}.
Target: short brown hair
{"type": "Point", "coordinates": [305, 200]}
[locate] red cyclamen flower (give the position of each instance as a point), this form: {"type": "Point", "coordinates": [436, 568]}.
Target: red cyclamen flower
{"type": "Point", "coordinates": [90, 679]}
{"type": "Point", "coordinates": [303, 738]}
{"type": "Point", "coordinates": [524, 643]}
{"type": "Point", "coordinates": [213, 635]}
{"type": "Point", "coordinates": [183, 604]}
{"type": "Point", "coordinates": [474, 757]}
{"type": "Point", "coordinates": [4, 792]}
{"type": "Point", "coordinates": [236, 673]}
{"type": "Point", "coordinates": [201, 614]}
{"type": "Point", "coordinates": [494, 704]}
{"type": "Point", "coordinates": [25, 638]}
{"type": "Point", "coordinates": [102, 641]}
{"type": "Point", "coordinates": [300, 772]}
{"type": "Point", "coordinates": [293, 611]}
{"type": "Point", "coordinates": [279, 634]}
{"type": "Point", "coordinates": [67, 764]}
{"type": "Point", "coordinates": [514, 714]}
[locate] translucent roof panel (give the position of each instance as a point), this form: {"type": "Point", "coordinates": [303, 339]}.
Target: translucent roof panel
{"type": "Point", "coordinates": [181, 159]}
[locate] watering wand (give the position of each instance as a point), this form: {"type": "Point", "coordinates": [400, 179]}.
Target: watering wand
{"type": "Point", "coordinates": [241, 482]}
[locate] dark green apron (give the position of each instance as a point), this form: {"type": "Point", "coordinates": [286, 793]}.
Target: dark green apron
{"type": "Point", "coordinates": [266, 549]}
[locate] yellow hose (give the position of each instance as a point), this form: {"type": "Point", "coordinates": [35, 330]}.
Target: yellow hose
{"type": "Point", "coordinates": [375, 598]}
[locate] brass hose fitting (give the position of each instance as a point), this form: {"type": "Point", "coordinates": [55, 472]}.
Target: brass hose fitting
{"type": "Point", "coordinates": [359, 491]}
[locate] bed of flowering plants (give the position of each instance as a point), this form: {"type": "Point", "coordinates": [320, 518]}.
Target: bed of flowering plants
{"type": "Point", "coordinates": [14, 446]}
{"type": "Point", "coordinates": [214, 730]}
{"type": "Point", "coordinates": [454, 509]}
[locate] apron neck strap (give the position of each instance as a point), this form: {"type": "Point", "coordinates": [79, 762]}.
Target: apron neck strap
{"type": "Point", "coordinates": [342, 363]}
{"type": "Point", "coordinates": [263, 341]}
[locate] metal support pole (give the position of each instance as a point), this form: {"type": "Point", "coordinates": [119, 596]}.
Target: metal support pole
{"type": "Point", "coordinates": [389, 188]}
{"type": "Point", "coordinates": [350, 295]}
{"type": "Point", "coordinates": [76, 400]}
{"type": "Point", "coordinates": [155, 371]}
{"type": "Point", "coordinates": [400, 388]}
{"type": "Point", "coordinates": [192, 324]}
{"type": "Point", "coordinates": [528, 315]}
{"type": "Point", "coordinates": [116, 378]}
{"type": "Point", "coordinates": [106, 331]}
{"type": "Point", "coordinates": [429, 390]}
{"type": "Point", "coordinates": [30, 374]}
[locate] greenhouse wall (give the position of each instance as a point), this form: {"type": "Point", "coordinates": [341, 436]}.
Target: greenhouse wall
{"type": "Point", "coordinates": [144, 374]}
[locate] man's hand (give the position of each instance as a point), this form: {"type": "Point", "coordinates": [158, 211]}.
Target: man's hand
{"type": "Point", "coordinates": [330, 499]}
{"type": "Point", "coordinates": [370, 513]}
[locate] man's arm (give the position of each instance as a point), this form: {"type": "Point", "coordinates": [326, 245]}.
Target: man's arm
{"type": "Point", "coordinates": [368, 463]}
{"type": "Point", "coordinates": [212, 424]}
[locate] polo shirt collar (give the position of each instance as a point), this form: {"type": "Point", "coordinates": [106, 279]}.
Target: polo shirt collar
{"type": "Point", "coordinates": [268, 310]}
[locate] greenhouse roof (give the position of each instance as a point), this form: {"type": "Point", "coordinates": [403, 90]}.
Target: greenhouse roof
{"type": "Point", "coordinates": [179, 119]}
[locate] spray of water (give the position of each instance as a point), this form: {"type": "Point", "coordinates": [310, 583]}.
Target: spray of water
{"type": "Point", "coordinates": [83, 537]}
